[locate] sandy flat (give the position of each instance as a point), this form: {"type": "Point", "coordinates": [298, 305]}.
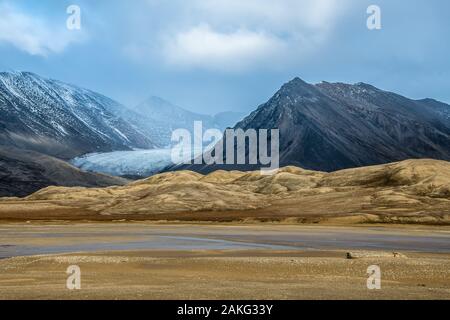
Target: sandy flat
{"type": "Point", "coordinates": [21, 239]}
{"type": "Point", "coordinates": [223, 262]}
{"type": "Point", "coordinates": [224, 275]}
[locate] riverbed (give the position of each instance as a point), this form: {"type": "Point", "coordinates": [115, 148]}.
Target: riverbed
{"type": "Point", "coordinates": [34, 239]}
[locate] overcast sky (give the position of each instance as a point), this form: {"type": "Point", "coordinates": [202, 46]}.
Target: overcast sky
{"type": "Point", "coordinates": [215, 55]}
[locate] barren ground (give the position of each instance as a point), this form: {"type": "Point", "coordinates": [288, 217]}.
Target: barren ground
{"type": "Point", "coordinates": [244, 271]}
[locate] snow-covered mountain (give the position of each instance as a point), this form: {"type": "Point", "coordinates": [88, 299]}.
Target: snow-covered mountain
{"type": "Point", "coordinates": [62, 120]}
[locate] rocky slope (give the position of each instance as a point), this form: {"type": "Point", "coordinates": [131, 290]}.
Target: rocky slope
{"type": "Point", "coordinates": [410, 191]}
{"type": "Point", "coordinates": [24, 172]}
{"type": "Point", "coordinates": [333, 126]}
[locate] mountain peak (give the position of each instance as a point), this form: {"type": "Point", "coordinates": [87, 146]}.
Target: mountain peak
{"type": "Point", "coordinates": [366, 86]}
{"type": "Point", "coordinates": [297, 87]}
{"type": "Point", "coordinates": [157, 107]}
{"type": "Point", "coordinates": [333, 126]}
{"type": "Point", "coordinates": [296, 82]}
{"type": "Point", "coordinates": [17, 73]}
{"type": "Point", "coordinates": [157, 99]}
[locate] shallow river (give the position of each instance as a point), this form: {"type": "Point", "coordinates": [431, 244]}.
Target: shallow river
{"type": "Point", "coordinates": [26, 239]}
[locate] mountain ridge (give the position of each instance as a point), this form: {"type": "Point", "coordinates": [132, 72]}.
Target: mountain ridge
{"type": "Point", "coordinates": [334, 126]}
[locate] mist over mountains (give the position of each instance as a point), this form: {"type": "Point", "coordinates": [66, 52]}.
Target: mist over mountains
{"type": "Point", "coordinates": [158, 118]}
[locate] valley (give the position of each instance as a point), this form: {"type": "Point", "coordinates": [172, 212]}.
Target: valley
{"type": "Point", "coordinates": [224, 150]}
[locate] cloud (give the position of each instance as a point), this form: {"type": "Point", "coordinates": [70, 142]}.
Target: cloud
{"type": "Point", "coordinates": [278, 15]}
{"type": "Point", "coordinates": [207, 48]}
{"type": "Point", "coordinates": [236, 35]}
{"type": "Point", "coordinates": [31, 34]}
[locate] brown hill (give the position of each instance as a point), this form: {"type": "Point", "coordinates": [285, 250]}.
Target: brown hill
{"type": "Point", "coordinates": [409, 191]}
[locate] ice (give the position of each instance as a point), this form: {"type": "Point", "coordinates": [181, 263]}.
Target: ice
{"type": "Point", "coordinates": [128, 163]}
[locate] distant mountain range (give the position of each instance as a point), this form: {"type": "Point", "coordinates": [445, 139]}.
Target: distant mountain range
{"type": "Point", "coordinates": [65, 121]}
{"type": "Point", "coordinates": [326, 127]}
{"type": "Point", "coordinates": [333, 126]}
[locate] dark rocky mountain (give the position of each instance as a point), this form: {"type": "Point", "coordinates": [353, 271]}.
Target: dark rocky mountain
{"type": "Point", "coordinates": [61, 120]}
{"type": "Point", "coordinates": [24, 172]}
{"type": "Point", "coordinates": [332, 126]}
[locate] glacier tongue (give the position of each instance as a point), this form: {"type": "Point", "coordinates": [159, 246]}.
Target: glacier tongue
{"type": "Point", "coordinates": [128, 163]}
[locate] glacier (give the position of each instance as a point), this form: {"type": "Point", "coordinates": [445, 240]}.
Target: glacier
{"type": "Point", "coordinates": [138, 162]}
